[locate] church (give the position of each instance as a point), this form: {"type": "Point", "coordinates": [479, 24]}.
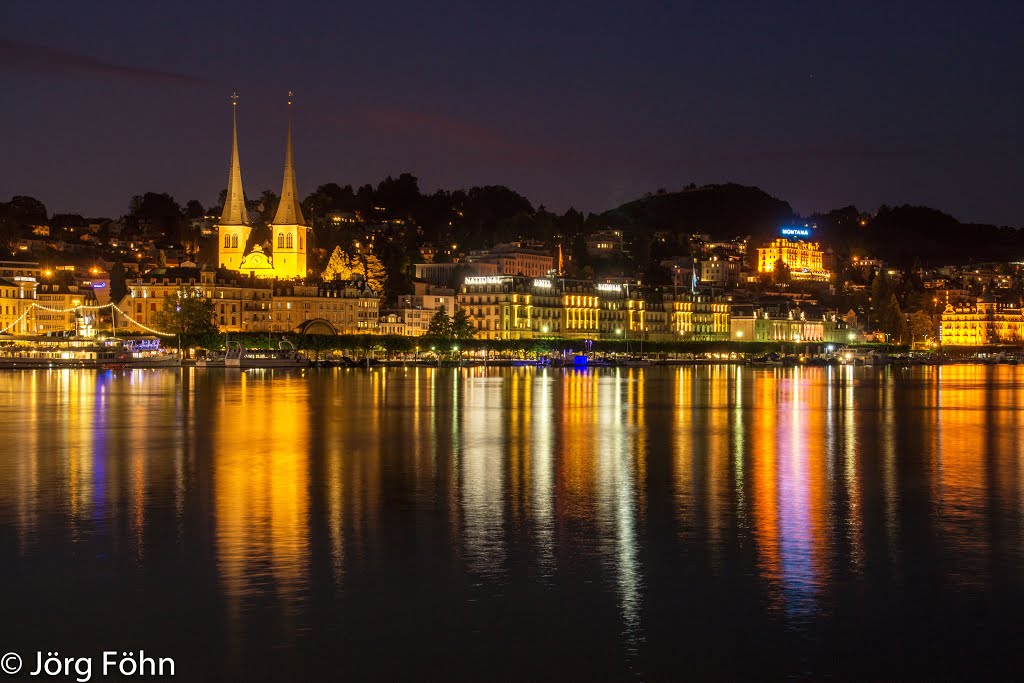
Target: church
{"type": "Point", "coordinates": [289, 241]}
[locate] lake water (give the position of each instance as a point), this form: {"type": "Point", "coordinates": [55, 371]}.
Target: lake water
{"type": "Point", "coordinates": [513, 523]}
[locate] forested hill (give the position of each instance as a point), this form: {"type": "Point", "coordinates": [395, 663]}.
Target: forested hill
{"type": "Point", "coordinates": [905, 234]}
{"type": "Point", "coordinates": [897, 234]}
{"type": "Point", "coordinates": [722, 211]}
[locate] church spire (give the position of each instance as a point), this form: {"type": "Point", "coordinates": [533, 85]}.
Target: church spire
{"type": "Point", "coordinates": [288, 210]}
{"type": "Point", "coordinates": [234, 212]}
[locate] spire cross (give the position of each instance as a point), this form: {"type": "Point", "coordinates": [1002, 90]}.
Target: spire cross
{"type": "Point", "coordinates": [290, 96]}
{"type": "Point", "coordinates": [234, 99]}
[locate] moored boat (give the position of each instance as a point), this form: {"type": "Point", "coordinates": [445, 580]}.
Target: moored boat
{"type": "Point", "coordinates": [284, 356]}
{"type": "Point", "coordinates": [73, 352]}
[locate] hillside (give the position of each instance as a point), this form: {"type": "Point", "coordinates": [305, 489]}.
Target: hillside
{"type": "Point", "coordinates": [723, 211]}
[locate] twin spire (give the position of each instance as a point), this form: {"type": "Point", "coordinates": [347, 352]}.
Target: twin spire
{"type": "Point", "coordinates": [288, 210]}
{"type": "Point", "coordinates": [234, 212]}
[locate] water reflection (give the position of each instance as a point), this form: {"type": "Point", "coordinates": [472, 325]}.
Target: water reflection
{"type": "Point", "coordinates": [795, 496]}
{"type": "Point", "coordinates": [261, 488]}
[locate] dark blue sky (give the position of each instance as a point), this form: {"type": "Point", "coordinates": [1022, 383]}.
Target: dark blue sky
{"type": "Point", "coordinates": [585, 104]}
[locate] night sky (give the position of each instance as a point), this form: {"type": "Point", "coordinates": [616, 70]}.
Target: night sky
{"type": "Point", "coordinates": [586, 104]}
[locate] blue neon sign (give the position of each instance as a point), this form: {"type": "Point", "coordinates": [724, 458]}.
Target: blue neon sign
{"type": "Point", "coordinates": [795, 232]}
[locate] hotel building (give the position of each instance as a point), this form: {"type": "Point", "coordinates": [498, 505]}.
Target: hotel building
{"type": "Point", "coordinates": [786, 321]}
{"type": "Point", "coordinates": [804, 258]}
{"type": "Point", "coordinates": [983, 322]}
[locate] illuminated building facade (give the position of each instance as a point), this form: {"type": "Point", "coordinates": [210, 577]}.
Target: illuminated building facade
{"type": "Point", "coordinates": [511, 307]}
{"type": "Point", "coordinates": [412, 317]}
{"type": "Point", "coordinates": [440, 274]}
{"type": "Point", "coordinates": [720, 272]}
{"type": "Point", "coordinates": [700, 317]}
{"type": "Point", "coordinates": [289, 232]}
{"type": "Point", "coordinates": [804, 258]}
{"type": "Point", "coordinates": [256, 306]}
{"type": "Point", "coordinates": [506, 307]}
{"type": "Point", "coordinates": [623, 311]}
{"type": "Point", "coordinates": [981, 323]}
{"type": "Point", "coordinates": [16, 297]}
{"type": "Point", "coordinates": [516, 258]}
{"type": "Point", "coordinates": [61, 297]}
{"type": "Point", "coordinates": [787, 322]}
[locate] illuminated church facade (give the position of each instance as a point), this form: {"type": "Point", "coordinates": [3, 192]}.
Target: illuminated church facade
{"type": "Point", "coordinates": [289, 232]}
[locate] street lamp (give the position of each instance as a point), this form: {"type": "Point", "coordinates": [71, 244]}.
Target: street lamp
{"type": "Point", "coordinates": [618, 330]}
{"type": "Point", "coordinates": [544, 329]}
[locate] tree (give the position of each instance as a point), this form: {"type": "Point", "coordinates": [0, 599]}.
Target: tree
{"type": "Point", "coordinates": [881, 290]}
{"type": "Point", "coordinates": [780, 273]}
{"type": "Point", "coordinates": [339, 266]}
{"type": "Point", "coordinates": [158, 210]}
{"type": "Point", "coordinates": [27, 210]}
{"type": "Point", "coordinates": [267, 204]}
{"type": "Point", "coordinates": [919, 326]}
{"type": "Point", "coordinates": [187, 312]}
{"type": "Point", "coordinates": [890, 317]}
{"type": "Point", "coordinates": [193, 209]}
{"type": "Point", "coordinates": [372, 270]}
{"type": "Point", "coordinates": [118, 284]}
{"type": "Point", "coordinates": [440, 325]}
{"type": "Point", "coordinates": [462, 326]}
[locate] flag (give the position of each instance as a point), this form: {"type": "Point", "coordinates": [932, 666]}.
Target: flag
{"type": "Point", "coordinates": [693, 282]}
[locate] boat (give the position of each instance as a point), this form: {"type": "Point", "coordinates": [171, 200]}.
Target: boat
{"type": "Point", "coordinates": [852, 356]}
{"type": "Point", "coordinates": [284, 356]}
{"type": "Point", "coordinates": [75, 352]}
{"type": "Point", "coordinates": [211, 360]}
{"type": "Point", "coordinates": [635, 362]}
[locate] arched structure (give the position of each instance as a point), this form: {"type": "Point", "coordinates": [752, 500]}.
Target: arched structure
{"type": "Point", "coordinates": [317, 326]}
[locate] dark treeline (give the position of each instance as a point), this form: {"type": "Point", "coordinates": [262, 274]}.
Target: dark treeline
{"type": "Point", "coordinates": [655, 227]}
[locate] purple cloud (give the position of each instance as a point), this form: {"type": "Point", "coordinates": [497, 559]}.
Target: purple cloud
{"type": "Point", "coordinates": [29, 57]}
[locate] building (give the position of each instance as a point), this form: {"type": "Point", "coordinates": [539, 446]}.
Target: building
{"type": "Point", "coordinates": [700, 316]}
{"type": "Point", "coordinates": [440, 274]}
{"type": "Point", "coordinates": [289, 231]}
{"type": "Point", "coordinates": [784, 320]}
{"type": "Point", "coordinates": [720, 272]}
{"type": "Point", "coordinates": [516, 258]}
{"type": "Point", "coordinates": [804, 258]}
{"type": "Point", "coordinates": [623, 311]}
{"type": "Point", "coordinates": [17, 316]}
{"type": "Point", "coordinates": [604, 243]}
{"type": "Point", "coordinates": [509, 307]}
{"type": "Point", "coordinates": [412, 317]}
{"type": "Point", "coordinates": [512, 307]}
{"type": "Point", "coordinates": [984, 322]}
{"type": "Point", "coordinates": [255, 305]}
{"type": "Point", "coordinates": [57, 311]}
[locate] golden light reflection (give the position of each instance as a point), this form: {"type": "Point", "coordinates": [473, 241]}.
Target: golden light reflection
{"type": "Point", "coordinates": [482, 475]}
{"type": "Point", "coordinates": [261, 480]}
{"type": "Point", "coordinates": [765, 496]}
{"type": "Point", "coordinates": [542, 500]}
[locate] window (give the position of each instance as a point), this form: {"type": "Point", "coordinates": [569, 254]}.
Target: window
{"type": "Point", "coordinates": [289, 241]}
{"type": "Point", "coordinates": [234, 241]}
{"type": "Point", "coordinates": [280, 240]}
{"type": "Point", "coordinates": [227, 241]}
